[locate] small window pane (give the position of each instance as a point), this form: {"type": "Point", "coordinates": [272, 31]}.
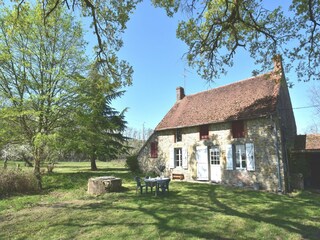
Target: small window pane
{"type": "Point", "coordinates": [215, 156]}
{"type": "Point", "coordinates": [178, 136]}
{"type": "Point", "coordinates": [178, 157]}
{"type": "Point", "coordinates": [243, 160]}
{"type": "Point", "coordinates": [240, 156]}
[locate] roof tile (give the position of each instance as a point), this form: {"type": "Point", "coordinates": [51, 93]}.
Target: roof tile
{"type": "Point", "coordinates": [313, 142]}
{"type": "Point", "coordinates": [250, 98]}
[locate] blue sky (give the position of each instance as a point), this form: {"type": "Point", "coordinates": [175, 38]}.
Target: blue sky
{"type": "Point", "coordinates": [151, 47]}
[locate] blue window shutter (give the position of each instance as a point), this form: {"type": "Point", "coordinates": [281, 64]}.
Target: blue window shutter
{"type": "Point", "coordinates": [250, 156]}
{"type": "Point", "coordinates": [171, 158]}
{"type": "Point", "coordinates": [229, 157]}
{"type": "Point", "coordinates": [185, 158]}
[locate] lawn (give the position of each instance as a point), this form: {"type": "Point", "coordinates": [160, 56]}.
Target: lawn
{"type": "Point", "coordinates": [189, 211]}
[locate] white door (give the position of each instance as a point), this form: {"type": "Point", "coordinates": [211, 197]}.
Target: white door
{"type": "Point", "coordinates": [202, 163]}
{"type": "Point", "coordinates": [215, 169]}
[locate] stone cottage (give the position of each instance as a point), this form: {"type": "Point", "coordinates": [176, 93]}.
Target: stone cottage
{"type": "Point", "coordinates": [238, 134]}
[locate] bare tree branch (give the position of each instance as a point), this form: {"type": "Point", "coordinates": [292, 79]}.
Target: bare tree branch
{"type": "Point", "coordinates": [53, 8]}
{"type": "Point", "coordinates": [19, 7]}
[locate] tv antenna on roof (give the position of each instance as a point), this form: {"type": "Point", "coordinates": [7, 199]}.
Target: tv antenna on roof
{"type": "Point", "coordinates": [185, 71]}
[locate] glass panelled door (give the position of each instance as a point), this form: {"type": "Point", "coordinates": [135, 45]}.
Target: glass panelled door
{"type": "Point", "coordinates": [215, 169]}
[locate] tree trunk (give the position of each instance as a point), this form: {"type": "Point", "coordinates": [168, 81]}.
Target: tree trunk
{"type": "Point", "coordinates": [5, 162]}
{"type": "Point", "coordinates": [93, 163]}
{"type": "Point", "coordinates": [36, 171]}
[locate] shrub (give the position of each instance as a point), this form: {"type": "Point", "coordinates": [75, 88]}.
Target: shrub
{"type": "Point", "coordinates": [17, 181]}
{"type": "Point", "coordinates": [151, 174]}
{"type": "Point", "coordinates": [132, 163]}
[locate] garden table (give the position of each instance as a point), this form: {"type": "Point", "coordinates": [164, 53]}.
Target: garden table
{"type": "Point", "coordinates": [158, 182]}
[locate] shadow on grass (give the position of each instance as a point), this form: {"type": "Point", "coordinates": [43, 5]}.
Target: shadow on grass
{"type": "Point", "coordinates": [189, 210]}
{"type": "Point", "coordinates": [83, 168]}
{"type": "Point", "coordinates": [160, 213]}
{"type": "Point", "coordinates": [282, 215]}
{"type": "Point", "coordinates": [284, 211]}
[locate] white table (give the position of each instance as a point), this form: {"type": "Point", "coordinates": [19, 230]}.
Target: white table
{"type": "Point", "coordinates": [158, 182]}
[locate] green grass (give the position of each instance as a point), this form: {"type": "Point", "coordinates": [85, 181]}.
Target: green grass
{"type": "Point", "coordinates": [190, 211]}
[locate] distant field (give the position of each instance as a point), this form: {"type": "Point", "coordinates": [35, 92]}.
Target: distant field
{"type": "Point", "coordinates": [189, 211]}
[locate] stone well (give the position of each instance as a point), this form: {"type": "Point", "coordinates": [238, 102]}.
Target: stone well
{"type": "Point", "coordinates": [100, 185]}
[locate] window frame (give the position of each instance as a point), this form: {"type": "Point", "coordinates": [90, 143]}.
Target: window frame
{"type": "Point", "coordinates": [240, 157]}
{"type": "Point", "coordinates": [178, 157]}
{"type": "Point", "coordinates": [178, 135]}
{"type": "Point", "coordinates": [246, 162]}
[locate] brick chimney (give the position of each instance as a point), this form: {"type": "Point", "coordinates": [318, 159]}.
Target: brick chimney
{"type": "Point", "coordinates": [180, 93]}
{"type": "Point", "coordinates": [277, 62]}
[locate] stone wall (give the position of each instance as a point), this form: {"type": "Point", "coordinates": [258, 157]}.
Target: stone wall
{"type": "Point", "coordinates": [287, 129]}
{"type": "Point", "coordinates": [260, 132]}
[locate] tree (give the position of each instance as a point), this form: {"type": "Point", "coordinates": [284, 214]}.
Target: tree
{"type": "Point", "coordinates": [95, 127]}
{"type": "Point", "coordinates": [108, 20]}
{"type": "Point", "coordinates": [17, 152]}
{"type": "Point", "coordinates": [215, 30]}
{"type": "Point", "coordinates": [136, 138]}
{"type": "Point", "coordinates": [315, 101]}
{"type": "Point", "coordinates": [38, 68]}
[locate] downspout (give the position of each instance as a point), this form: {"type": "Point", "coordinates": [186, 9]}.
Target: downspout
{"type": "Point", "coordinates": [276, 144]}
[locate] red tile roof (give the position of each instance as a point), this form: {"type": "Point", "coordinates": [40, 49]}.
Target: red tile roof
{"type": "Point", "coordinates": [307, 142]}
{"type": "Point", "coordinates": [313, 142]}
{"type": "Point", "coordinates": [246, 99]}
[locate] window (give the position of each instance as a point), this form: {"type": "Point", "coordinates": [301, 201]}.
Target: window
{"type": "Point", "coordinates": [214, 156]}
{"type": "Point", "coordinates": [154, 149]}
{"type": "Point", "coordinates": [178, 136]}
{"type": "Point", "coordinates": [240, 156]}
{"type": "Point", "coordinates": [238, 129]}
{"type": "Point", "coordinates": [204, 132]}
{"type": "Point", "coordinates": [178, 157]}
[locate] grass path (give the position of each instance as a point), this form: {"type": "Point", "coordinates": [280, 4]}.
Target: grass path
{"type": "Point", "coordinates": [190, 211]}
